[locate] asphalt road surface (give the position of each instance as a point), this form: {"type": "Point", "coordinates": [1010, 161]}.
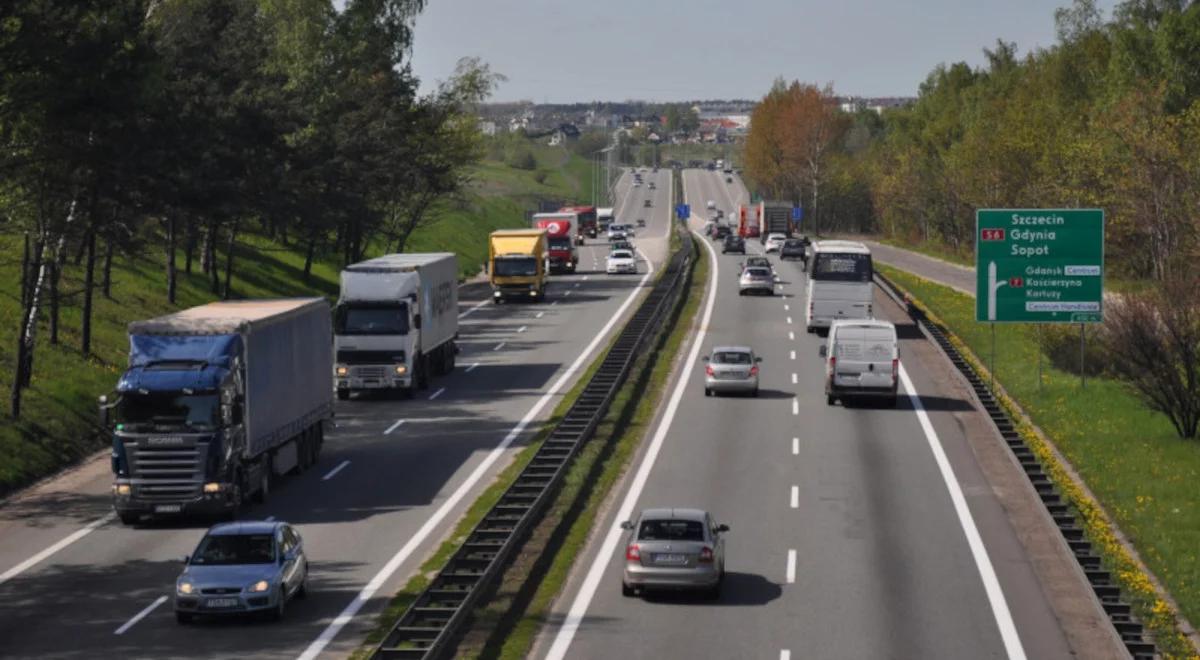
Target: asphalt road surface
{"type": "Point", "coordinates": [856, 532]}
{"type": "Point", "coordinates": [394, 477]}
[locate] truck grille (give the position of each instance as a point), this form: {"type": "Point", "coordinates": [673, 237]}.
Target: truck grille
{"type": "Point", "coordinates": [369, 373]}
{"type": "Point", "coordinates": [167, 473]}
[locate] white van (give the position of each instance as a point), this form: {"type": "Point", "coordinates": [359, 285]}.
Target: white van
{"type": "Point", "coordinates": [862, 358]}
{"type": "Point", "coordinates": [839, 283]}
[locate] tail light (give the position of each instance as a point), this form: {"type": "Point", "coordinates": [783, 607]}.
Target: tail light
{"type": "Point", "coordinates": [633, 552]}
{"type": "Point", "coordinates": [754, 370]}
{"type": "Point", "coordinates": [706, 555]}
{"type": "Point", "coordinates": [832, 362]}
{"type": "Point", "coordinates": [895, 368]}
{"type": "Point", "coordinates": [709, 370]}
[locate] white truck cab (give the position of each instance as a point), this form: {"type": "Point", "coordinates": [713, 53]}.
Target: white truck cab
{"type": "Point", "coordinates": [862, 359]}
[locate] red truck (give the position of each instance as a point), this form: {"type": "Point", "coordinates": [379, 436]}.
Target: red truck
{"type": "Point", "coordinates": [560, 230]}
{"type": "Point", "coordinates": [588, 224]}
{"type": "Point", "coordinates": [748, 221]}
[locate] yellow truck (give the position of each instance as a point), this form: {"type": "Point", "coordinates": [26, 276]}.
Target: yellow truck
{"type": "Point", "coordinates": [518, 264]}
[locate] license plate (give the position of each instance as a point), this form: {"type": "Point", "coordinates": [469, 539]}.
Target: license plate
{"type": "Point", "coordinates": [670, 559]}
{"type": "Point", "coordinates": [221, 602]}
{"type": "Point", "coordinates": [168, 508]}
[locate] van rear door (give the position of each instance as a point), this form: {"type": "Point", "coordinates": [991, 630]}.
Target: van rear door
{"type": "Point", "coordinates": [864, 357]}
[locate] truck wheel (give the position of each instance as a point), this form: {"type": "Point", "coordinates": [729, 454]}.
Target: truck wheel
{"type": "Point", "coordinates": [453, 355]}
{"type": "Point", "coordinates": [304, 451]}
{"type": "Point", "coordinates": [129, 518]}
{"type": "Point", "coordinates": [423, 372]}
{"type": "Point", "coordinates": [343, 394]}
{"type": "Point", "coordinates": [264, 484]}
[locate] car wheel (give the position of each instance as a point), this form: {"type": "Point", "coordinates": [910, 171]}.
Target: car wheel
{"type": "Point", "coordinates": [829, 399]}
{"type": "Point", "coordinates": [343, 394]}
{"type": "Point", "coordinates": [808, 329]}
{"type": "Point", "coordinates": [302, 592]}
{"type": "Point", "coordinates": [714, 592]}
{"type": "Point", "coordinates": [129, 518]}
{"type": "Point", "coordinates": [892, 401]}
{"type": "Point", "coordinates": [707, 392]}
{"type": "Point", "coordinates": [627, 591]}
{"type": "Point", "coordinates": [755, 392]}
{"type": "Point", "coordinates": [276, 613]}
{"type": "Point", "coordinates": [183, 618]}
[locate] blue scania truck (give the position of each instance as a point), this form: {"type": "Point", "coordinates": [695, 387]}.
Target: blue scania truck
{"type": "Point", "coordinates": [216, 401]}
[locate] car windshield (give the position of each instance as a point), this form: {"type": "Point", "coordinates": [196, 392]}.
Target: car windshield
{"type": "Point", "coordinates": [229, 549]}
{"type": "Point", "coordinates": [173, 409]}
{"type": "Point", "coordinates": [560, 243]}
{"type": "Point", "coordinates": [758, 261]}
{"type": "Point", "coordinates": [671, 530]}
{"type": "Point", "coordinates": [371, 320]}
{"type": "Point", "coordinates": [842, 267]}
{"type": "Point", "coordinates": [731, 357]}
{"type": "Point", "coordinates": [515, 266]}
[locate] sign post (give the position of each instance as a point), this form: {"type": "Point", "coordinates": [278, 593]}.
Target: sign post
{"type": "Point", "coordinates": [1039, 266]}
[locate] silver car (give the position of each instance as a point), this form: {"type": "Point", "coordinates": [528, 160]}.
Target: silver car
{"type": "Point", "coordinates": [674, 549]}
{"type": "Point", "coordinates": [242, 568]}
{"type": "Point", "coordinates": [756, 279]}
{"type": "Point", "coordinates": [731, 369]}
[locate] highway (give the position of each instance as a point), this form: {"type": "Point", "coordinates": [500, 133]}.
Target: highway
{"type": "Point", "coordinates": [393, 479]}
{"type": "Point", "coordinates": [855, 532]}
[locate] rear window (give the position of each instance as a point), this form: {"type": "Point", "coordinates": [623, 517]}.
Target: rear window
{"type": "Point", "coordinates": [731, 357]}
{"type": "Point", "coordinates": [671, 530]}
{"type": "Point", "coordinates": [842, 267]}
{"type": "Point", "coordinates": [758, 272]}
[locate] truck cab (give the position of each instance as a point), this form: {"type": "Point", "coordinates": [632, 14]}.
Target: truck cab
{"type": "Point", "coordinates": [518, 264]}
{"type": "Point", "coordinates": [560, 244]}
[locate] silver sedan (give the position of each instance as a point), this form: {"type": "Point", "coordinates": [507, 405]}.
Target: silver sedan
{"type": "Point", "coordinates": [731, 369]}
{"type": "Point", "coordinates": [242, 568]}
{"type": "Point", "coordinates": [674, 549]}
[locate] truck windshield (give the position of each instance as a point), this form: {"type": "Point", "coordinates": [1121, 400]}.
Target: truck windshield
{"type": "Point", "coordinates": [841, 267]}
{"type": "Point", "coordinates": [371, 320]}
{"type": "Point", "coordinates": [516, 266]}
{"type": "Point", "coordinates": [560, 243]}
{"type": "Point", "coordinates": [170, 409]}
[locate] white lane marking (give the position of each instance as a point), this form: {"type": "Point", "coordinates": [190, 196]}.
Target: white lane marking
{"type": "Point", "coordinates": [791, 335]}
{"type": "Point", "coordinates": [539, 315]}
{"type": "Point", "coordinates": [795, 446]}
{"type": "Point", "coordinates": [576, 284]}
{"type": "Point", "coordinates": [68, 540]}
{"type": "Point", "coordinates": [554, 303]}
{"type": "Point", "coordinates": [795, 497]}
{"type": "Point", "coordinates": [471, 368]}
{"type": "Point", "coordinates": [795, 406]}
{"type": "Point", "coordinates": [579, 606]}
{"type": "Point", "coordinates": [140, 615]}
{"type": "Point", "coordinates": [566, 293]}
{"type": "Point", "coordinates": [437, 393]}
{"type": "Point", "coordinates": [794, 379]}
{"type": "Point", "coordinates": [786, 308]}
{"type": "Point", "coordinates": [789, 320]}
{"type": "Point", "coordinates": [785, 654]}
{"type": "Point", "coordinates": [499, 346]}
{"type": "Point", "coordinates": [364, 596]}
{"type": "Point", "coordinates": [791, 566]}
{"type": "Point", "coordinates": [522, 329]}
{"type": "Point", "coordinates": [333, 473]}
{"type": "Point", "coordinates": [474, 307]}
{"type": "Point", "coordinates": [991, 585]}
{"type": "Point", "coordinates": [585, 277]}
{"type": "Point", "coordinates": [793, 355]}
{"type": "Point", "coordinates": [393, 427]}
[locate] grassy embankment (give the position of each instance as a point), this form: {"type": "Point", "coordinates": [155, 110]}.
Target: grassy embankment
{"type": "Point", "coordinates": [58, 410]}
{"type": "Point", "coordinates": [1143, 476]}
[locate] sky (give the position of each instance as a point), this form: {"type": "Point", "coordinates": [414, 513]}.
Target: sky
{"type": "Point", "coordinates": [563, 51]}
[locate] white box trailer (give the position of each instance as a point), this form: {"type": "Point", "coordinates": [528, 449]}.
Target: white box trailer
{"type": "Point", "coordinates": [396, 322]}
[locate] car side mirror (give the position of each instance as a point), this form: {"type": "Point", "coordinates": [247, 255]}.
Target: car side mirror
{"type": "Point", "coordinates": [823, 350]}
{"type": "Point", "coordinates": [628, 524]}
{"type": "Point", "coordinates": [186, 559]}
{"type": "Point", "coordinates": [102, 411]}
{"type": "Point", "coordinates": [722, 528]}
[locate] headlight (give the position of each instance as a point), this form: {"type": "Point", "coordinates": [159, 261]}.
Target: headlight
{"type": "Point", "coordinates": [122, 489]}
{"type": "Point", "coordinates": [401, 370]}
{"type": "Point", "coordinates": [184, 588]}
{"type": "Point", "coordinates": [343, 370]}
{"type": "Point", "coordinates": [212, 487]}
{"type": "Point", "coordinates": [259, 587]}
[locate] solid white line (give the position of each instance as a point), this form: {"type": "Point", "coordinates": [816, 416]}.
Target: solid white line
{"type": "Point", "coordinates": [791, 566]}
{"type": "Point", "coordinates": [539, 315]}
{"type": "Point", "coordinates": [474, 307]}
{"type": "Point", "coordinates": [68, 540]}
{"type": "Point", "coordinates": [795, 446]}
{"type": "Point", "coordinates": [795, 497]}
{"type": "Point", "coordinates": [437, 394]}
{"type": "Point", "coordinates": [791, 335]}
{"type": "Point", "coordinates": [793, 355]}
{"type": "Point", "coordinates": [393, 427]}
{"type": "Point", "coordinates": [579, 606]}
{"type": "Point", "coordinates": [368, 592]}
{"type": "Point", "coordinates": [140, 615]}
{"type": "Point", "coordinates": [522, 329]}
{"type": "Point", "coordinates": [991, 585]}
{"type": "Point", "coordinates": [499, 346]}
{"type": "Point", "coordinates": [789, 320]}
{"type": "Point", "coordinates": [793, 379]}
{"type": "Point", "coordinates": [795, 406]}
{"type": "Point", "coordinates": [333, 473]}
{"type": "Point", "coordinates": [471, 368]}
{"type": "Point", "coordinates": [785, 654]}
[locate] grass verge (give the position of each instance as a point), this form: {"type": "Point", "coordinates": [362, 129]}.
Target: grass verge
{"type": "Point", "coordinates": [1142, 475]}
{"type": "Point", "coordinates": [506, 627]}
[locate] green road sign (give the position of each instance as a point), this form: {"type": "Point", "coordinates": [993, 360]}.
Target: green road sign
{"type": "Point", "coordinates": [1039, 265]}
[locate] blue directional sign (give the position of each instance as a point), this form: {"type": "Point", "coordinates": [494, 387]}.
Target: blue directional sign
{"type": "Point", "coordinates": [683, 211]}
{"type": "Point", "coordinates": [797, 213]}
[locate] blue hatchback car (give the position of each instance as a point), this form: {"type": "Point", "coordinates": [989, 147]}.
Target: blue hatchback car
{"type": "Point", "coordinates": [242, 568]}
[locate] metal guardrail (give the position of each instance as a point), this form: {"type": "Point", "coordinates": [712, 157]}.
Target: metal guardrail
{"type": "Point", "coordinates": [1106, 589]}
{"type": "Point", "coordinates": [432, 623]}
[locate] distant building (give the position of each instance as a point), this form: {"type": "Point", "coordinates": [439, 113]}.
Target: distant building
{"type": "Point", "coordinates": [488, 128]}
{"type": "Point", "coordinates": [564, 133]}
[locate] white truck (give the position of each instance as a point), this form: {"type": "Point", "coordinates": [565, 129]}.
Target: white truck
{"type": "Point", "coordinates": [396, 322]}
